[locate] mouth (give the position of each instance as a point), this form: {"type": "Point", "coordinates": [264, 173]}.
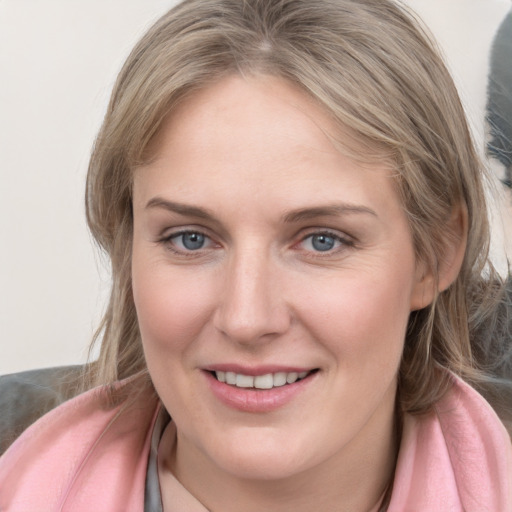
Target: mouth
{"type": "Point", "coordinates": [261, 382]}
{"type": "Point", "coordinates": [259, 390]}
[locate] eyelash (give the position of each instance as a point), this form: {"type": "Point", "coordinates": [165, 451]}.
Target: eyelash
{"type": "Point", "coordinates": [344, 243]}
{"type": "Point", "coordinates": [168, 242]}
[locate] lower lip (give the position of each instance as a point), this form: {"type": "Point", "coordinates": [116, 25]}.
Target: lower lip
{"type": "Point", "coordinates": [257, 400]}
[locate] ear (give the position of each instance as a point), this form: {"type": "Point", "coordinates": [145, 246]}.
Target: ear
{"type": "Point", "coordinates": [448, 264]}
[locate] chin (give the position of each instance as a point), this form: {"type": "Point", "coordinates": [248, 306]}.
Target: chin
{"type": "Point", "coordinates": [248, 467]}
{"type": "Point", "coordinates": [262, 457]}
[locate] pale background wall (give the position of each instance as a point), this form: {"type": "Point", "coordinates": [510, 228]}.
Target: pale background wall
{"type": "Point", "coordinates": [58, 61]}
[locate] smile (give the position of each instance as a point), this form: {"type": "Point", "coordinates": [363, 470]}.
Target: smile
{"type": "Point", "coordinates": [267, 381]}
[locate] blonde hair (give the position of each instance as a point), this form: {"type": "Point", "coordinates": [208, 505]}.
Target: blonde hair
{"type": "Point", "coordinates": [371, 66]}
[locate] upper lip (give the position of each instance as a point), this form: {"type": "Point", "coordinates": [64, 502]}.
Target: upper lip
{"type": "Point", "coordinates": [256, 370]}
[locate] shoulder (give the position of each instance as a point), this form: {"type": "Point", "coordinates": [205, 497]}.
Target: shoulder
{"type": "Point", "coordinates": [26, 396]}
{"type": "Point", "coordinates": [83, 455]}
{"type": "Point", "coordinates": [457, 457]}
{"type": "Point", "coordinates": [479, 447]}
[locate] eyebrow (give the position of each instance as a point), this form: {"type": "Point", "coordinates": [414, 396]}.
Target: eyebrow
{"type": "Point", "coordinates": [333, 210]}
{"type": "Point", "coordinates": [301, 214]}
{"type": "Point", "coordinates": [180, 208]}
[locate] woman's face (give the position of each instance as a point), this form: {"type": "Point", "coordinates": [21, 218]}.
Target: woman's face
{"type": "Point", "coordinates": [264, 257]}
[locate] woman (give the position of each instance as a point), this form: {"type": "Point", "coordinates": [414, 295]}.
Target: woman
{"type": "Point", "coordinates": [295, 216]}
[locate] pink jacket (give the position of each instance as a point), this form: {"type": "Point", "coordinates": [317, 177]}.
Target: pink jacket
{"type": "Point", "coordinates": [83, 456]}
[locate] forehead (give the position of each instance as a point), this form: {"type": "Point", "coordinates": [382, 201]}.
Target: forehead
{"type": "Point", "coordinates": [261, 132]}
{"type": "Point", "coordinates": [240, 101]}
{"type": "Point", "coordinates": [251, 107]}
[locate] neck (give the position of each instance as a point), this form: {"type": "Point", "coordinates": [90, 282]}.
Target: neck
{"type": "Point", "coordinates": [333, 492]}
{"type": "Point", "coordinates": [354, 480]}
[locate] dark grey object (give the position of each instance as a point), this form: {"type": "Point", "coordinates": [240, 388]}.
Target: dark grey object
{"type": "Point", "coordinates": [499, 104]}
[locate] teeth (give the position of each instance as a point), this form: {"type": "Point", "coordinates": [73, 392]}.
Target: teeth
{"type": "Point", "coordinates": [279, 379]}
{"type": "Point", "coordinates": [264, 381]}
{"type": "Point", "coordinates": [292, 377]}
{"type": "Point", "coordinates": [244, 381]}
{"type": "Point", "coordinates": [268, 381]}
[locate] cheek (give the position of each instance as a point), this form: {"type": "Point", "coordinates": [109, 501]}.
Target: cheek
{"type": "Point", "coordinates": [171, 307]}
{"type": "Point", "coordinates": [362, 317]}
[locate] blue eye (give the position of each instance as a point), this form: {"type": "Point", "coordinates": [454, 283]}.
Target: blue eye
{"type": "Point", "coordinates": [189, 240]}
{"type": "Point", "coordinates": [322, 242]}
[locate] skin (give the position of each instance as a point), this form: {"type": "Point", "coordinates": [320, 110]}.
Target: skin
{"type": "Point", "coordinates": [251, 152]}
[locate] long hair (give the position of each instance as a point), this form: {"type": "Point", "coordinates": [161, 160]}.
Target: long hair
{"type": "Point", "coordinates": [375, 71]}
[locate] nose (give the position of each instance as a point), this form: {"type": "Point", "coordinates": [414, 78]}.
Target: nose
{"type": "Point", "coordinates": [252, 307]}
